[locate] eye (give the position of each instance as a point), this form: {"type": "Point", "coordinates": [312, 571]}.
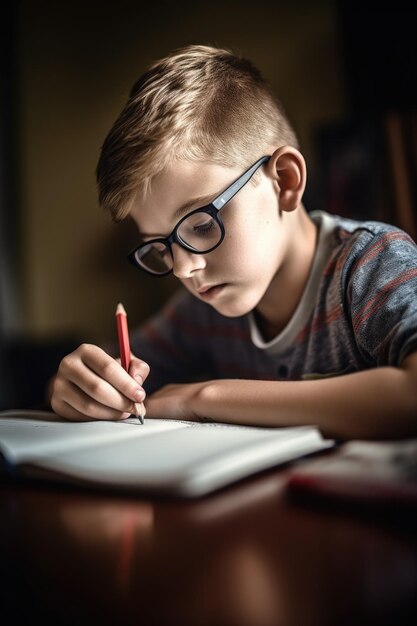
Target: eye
{"type": "Point", "coordinates": [197, 225]}
{"type": "Point", "coordinates": [204, 228]}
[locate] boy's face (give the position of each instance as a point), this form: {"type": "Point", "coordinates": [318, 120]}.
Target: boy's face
{"type": "Point", "coordinates": [234, 277]}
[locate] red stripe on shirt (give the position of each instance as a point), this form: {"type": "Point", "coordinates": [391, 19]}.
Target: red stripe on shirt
{"type": "Point", "coordinates": [379, 299]}
{"type": "Point", "coordinates": [338, 260]}
{"type": "Point", "coordinates": [319, 322]}
{"type": "Point", "coordinates": [380, 245]}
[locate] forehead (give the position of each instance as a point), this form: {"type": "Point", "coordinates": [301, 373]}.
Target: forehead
{"type": "Point", "coordinates": [182, 184]}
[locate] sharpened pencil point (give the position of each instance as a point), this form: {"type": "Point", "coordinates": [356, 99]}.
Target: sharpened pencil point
{"type": "Point", "coordinates": [120, 309]}
{"type": "Point", "coordinates": [140, 411]}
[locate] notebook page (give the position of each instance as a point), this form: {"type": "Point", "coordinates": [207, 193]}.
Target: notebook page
{"type": "Point", "coordinates": [21, 437]}
{"type": "Point", "coordinates": [197, 453]}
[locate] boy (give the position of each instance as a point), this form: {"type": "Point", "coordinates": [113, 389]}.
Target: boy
{"type": "Point", "coordinates": [291, 318]}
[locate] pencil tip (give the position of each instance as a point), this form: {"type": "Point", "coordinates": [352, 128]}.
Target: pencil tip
{"type": "Point", "coordinates": [140, 411]}
{"type": "Point", "coordinates": [120, 309]}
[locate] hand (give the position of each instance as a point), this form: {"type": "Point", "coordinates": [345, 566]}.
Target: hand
{"type": "Point", "coordinates": [176, 402]}
{"type": "Point", "coordinates": [90, 384]}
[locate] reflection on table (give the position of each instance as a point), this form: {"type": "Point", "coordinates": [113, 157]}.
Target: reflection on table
{"type": "Point", "coordinates": [246, 556]}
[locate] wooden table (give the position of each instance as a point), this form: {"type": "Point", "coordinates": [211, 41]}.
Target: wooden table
{"type": "Point", "coordinates": [246, 556]}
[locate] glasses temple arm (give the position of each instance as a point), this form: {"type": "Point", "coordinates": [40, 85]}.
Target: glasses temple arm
{"type": "Point", "coordinates": [238, 184]}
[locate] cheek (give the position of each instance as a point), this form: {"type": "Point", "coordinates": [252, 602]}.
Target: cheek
{"type": "Point", "coordinates": [255, 244]}
{"type": "Point", "coordinates": [253, 235]}
{"type": "Point", "coordinates": [235, 257]}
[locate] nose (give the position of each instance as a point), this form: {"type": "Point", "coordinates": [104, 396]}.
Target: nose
{"type": "Point", "coordinates": [185, 263]}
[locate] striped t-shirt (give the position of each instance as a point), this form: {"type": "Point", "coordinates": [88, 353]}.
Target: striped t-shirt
{"type": "Point", "coordinates": [358, 311]}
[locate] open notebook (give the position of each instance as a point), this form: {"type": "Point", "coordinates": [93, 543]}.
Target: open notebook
{"type": "Point", "coordinates": [170, 457]}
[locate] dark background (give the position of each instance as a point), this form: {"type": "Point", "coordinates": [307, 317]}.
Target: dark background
{"type": "Point", "coordinates": [346, 75]}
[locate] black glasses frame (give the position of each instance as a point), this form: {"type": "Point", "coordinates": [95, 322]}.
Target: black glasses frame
{"type": "Point", "coordinates": [211, 209]}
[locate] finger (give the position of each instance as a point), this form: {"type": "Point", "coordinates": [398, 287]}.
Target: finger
{"type": "Point", "coordinates": [72, 395]}
{"type": "Point", "coordinates": [95, 387]}
{"type": "Point", "coordinates": [107, 369]}
{"type": "Point", "coordinates": [67, 411]}
{"type": "Point", "coordinates": [63, 409]}
{"type": "Point", "coordinates": [85, 405]}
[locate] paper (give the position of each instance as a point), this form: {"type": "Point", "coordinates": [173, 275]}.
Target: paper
{"type": "Point", "coordinates": [166, 456]}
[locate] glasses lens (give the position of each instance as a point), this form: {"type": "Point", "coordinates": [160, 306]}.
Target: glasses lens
{"type": "Point", "coordinates": [200, 231]}
{"type": "Point", "coordinates": [154, 257]}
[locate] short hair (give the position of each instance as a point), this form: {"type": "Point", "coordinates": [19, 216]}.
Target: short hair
{"type": "Point", "coordinates": [198, 103]}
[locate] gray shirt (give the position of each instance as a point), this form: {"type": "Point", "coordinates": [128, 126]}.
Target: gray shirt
{"type": "Point", "coordinates": [358, 311]}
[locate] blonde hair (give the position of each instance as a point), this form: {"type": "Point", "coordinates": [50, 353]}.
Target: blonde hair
{"type": "Point", "coordinates": [198, 103]}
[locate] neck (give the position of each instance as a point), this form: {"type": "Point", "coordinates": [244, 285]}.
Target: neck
{"type": "Point", "coordinates": [284, 293]}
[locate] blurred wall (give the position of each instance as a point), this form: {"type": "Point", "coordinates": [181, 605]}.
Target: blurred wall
{"type": "Point", "coordinates": [77, 62]}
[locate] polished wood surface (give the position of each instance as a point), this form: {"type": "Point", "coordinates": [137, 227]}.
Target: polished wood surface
{"type": "Point", "coordinates": [246, 556]}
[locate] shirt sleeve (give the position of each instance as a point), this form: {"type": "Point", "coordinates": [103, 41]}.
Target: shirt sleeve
{"type": "Point", "coordinates": [382, 297]}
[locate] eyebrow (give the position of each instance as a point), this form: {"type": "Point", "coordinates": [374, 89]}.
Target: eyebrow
{"type": "Point", "coordinates": [197, 202]}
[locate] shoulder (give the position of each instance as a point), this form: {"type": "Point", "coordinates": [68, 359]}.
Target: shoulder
{"type": "Point", "coordinates": [367, 245]}
{"type": "Point", "coordinates": [359, 233]}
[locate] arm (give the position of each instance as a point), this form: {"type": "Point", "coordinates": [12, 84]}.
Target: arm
{"type": "Point", "coordinates": [373, 404]}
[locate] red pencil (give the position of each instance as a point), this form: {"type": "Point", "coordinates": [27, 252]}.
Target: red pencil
{"type": "Point", "coordinates": [123, 333]}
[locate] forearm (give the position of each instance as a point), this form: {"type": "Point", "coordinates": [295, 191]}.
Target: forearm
{"type": "Point", "coordinates": [377, 403]}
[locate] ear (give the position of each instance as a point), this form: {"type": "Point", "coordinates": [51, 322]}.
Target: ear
{"type": "Point", "coordinates": [288, 168]}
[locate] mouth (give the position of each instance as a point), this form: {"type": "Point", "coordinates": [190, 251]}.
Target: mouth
{"type": "Point", "coordinates": [208, 293]}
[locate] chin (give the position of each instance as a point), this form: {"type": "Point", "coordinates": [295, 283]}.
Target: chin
{"type": "Point", "coordinates": [236, 307]}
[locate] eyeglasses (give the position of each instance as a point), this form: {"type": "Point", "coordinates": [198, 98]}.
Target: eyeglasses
{"type": "Point", "coordinates": [199, 232]}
